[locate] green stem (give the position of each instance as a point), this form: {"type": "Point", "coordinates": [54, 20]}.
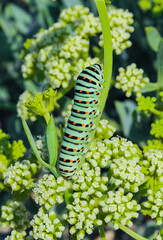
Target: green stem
{"type": "Point", "coordinates": [131, 233]}
{"type": "Point", "coordinates": [102, 232]}
{"type": "Point", "coordinates": [108, 58]}
{"type": "Point", "coordinates": [47, 117]}
{"type": "Point", "coordinates": [160, 74]}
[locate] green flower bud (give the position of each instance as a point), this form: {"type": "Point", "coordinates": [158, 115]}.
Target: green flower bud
{"type": "Point", "coordinates": [19, 176]}
{"type": "Point", "coordinates": [157, 128]}
{"type": "Point", "coordinates": [104, 130]}
{"type": "Point", "coordinates": [21, 109]}
{"type": "Point", "coordinates": [15, 215]}
{"type": "Point", "coordinates": [49, 191]}
{"type": "Point", "coordinates": [120, 25]}
{"type": "Point", "coordinates": [154, 205]}
{"type": "Point", "coordinates": [147, 104]}
{"type": "Point", "coordinates": [46, 226]}
{"type": "Point", "coordinates": [131, 79]}
{"type": "Point", "coordinates": [15, 235]}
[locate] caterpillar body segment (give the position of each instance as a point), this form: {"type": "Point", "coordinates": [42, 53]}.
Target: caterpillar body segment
{"type": "Point", "coordinates": [82, 124]}
{"type": "Point", "coordinates": [81, 121]}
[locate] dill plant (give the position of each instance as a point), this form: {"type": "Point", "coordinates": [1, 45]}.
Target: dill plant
{"type": "Point", "coordinates": [92, 199]}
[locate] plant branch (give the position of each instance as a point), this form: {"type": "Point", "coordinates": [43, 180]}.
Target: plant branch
{"type": "Point", "coordinates": [131, 233]}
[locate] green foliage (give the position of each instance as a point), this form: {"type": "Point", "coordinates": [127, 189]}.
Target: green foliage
{"type": "Point", "coordinates": [121, 177]}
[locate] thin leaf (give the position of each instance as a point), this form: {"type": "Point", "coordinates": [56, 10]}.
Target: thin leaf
{"type": "Point", "coordinates": [32, 143]}
{"type": "Point", "coordinates": [149, 87]}
{"type": "Point", "coordinates": [125, 110]}
{"type": "Point", "coordinates": [52, 142]}
{"type": "Point", "coordinates": [153, 37]}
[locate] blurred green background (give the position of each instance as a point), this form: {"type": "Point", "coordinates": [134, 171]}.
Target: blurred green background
{"type": "Point", "coordinates": [22, 19]}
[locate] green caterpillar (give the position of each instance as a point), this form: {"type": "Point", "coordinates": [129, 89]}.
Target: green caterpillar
{"type": "Point", "coordinates": [81, 121]}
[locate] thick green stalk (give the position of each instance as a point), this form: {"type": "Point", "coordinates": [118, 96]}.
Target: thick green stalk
{"type": "Point", "coordinates": [108, 58]}
{"type": "Point", "coordinates": [131, 233]}
{"type": "Point", "coordinates": [102, 232]}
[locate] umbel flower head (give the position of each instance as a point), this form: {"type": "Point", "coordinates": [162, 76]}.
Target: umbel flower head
{"type": "Point", "coordinates": [42, 103]}
{"type": "Point", "coordinates": [159, 236]}
{"type": "Point", "coordinates": [19, 176]}
{"type": "Point", "coordinates": [104, 130]}
{"type": "Point", "coordinates": [147, 105]}
{"type": "Point", "coordinates": [92, 203]}
{"type": "Point", "coordinates": [120, 26]}
{"type": "Point", "coordinates": [49, 191]}
{"type": "Point", "coordinates": [46, 226]}
{"type": "Point", "coordinates": [15, 215]}
{"type": "Point", "coordinates": [15, 235]}
{"type": "Point", "coordinates": [155, 5]}
{"type": "Point", "coordinates": [154, 144]}
{"type": "Point", "coordinates": [154, 205]}
{"type": "Point", "coordinates": [157, 128]}
{"type": "Point", "coordinates": [56, 52]}
{"type": "Point", "coordinates": [152, 163]}
{"type": "Point", "coordinates": [131, 80]}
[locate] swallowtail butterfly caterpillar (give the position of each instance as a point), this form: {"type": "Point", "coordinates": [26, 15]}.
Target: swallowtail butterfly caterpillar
{"type": "Point", "coordinates": [81, 121]}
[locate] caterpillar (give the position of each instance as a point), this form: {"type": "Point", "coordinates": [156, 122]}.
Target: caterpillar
{"type": "Point", "coordinates": [81, 121]}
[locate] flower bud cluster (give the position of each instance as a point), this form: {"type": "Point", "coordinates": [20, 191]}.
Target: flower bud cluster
{"type": "Point", "coordinates": [15, 235]}
{"type": "Point", "coordinates": [131, 79]}
{"type": "Point", "coordinates": [42, 103]}
{"type": "Point", "coordinates": [154, 144]}
{"type": "Point", "coordinates": [155, 5]}
{"type": "Point", "coordinates": [119, 208]}
{"type": "Point", "coordinates": [51, 52]}
{"type": "Point", "coordinates": [70, 15]}
{"type": "Point", "coordinates": [49, 191]}
{"type": "Point", "coordinates": [152, 163]}
{"type": "Point", "coordinates": [46, 226]}
{"type": "Point", "coordinates": [147, 104]}
{"type": "Point", "coordinates": [157, 128]}
{"type": "Point", "coordinates": [154, 205]}
{"type": "Point", "coordinates": [92, 202]}
{"type": "Point", "coordinates": [15, 215]}
{"type": "Point", "coordinates": [21, 109]}
{"type": "Point", "coordinates": [17, 150]}
{"type": "Point", "coordinates": [42, 148]}
{"type": "Point", "coordinates": [19, 175]}
{"type": "Point", "coordinates": [120, 25]}
{"type": "Point", "coordinates": [89, 187]}
{"type": "Point", "coordinates": [104, 130]}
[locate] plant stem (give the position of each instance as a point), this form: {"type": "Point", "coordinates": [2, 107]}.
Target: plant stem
{"type": "Point", "coordinates": [102, 232]}
{"type": "Point", "coordinates": [108, 59]}
{"type": "Point", "coordinates": [131, 233]}
{"type": "Point", "coordinates": [47, 117]}
{"type": "Point", "coordinates": [160, 74]}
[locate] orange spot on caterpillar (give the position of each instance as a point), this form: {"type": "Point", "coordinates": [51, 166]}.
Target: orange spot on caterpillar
{"type": "Point", "coordinates": [88, 92]}
{"type": "Point", "coordinates": [76, 169]}
{"type": "Point", "coordinates": [67, 148]}
{"type": "Point", "coordinates": [81, 91]}
{"type": "Point", "coordinates": [74, 123]}
{"type": "Point", "coordinates": [74, 150]}
{"type": "Point", "coordinates": [71, 160]}
{"type": "Point", "coordinates": [63, 170]}
{"type": "Point", "coordinates": [97, 93]}
{"type": "Point", "coordinates": [86, 112]}
{"type": "Point", "coordinates": [78, 137]}
{"type": "Point", "coordinates": [69, 171]}
{"type": "Point", "coordinates": [90, 80]}
{"type": "Point", "coordinates": [78, 160]}
{"type": "Point", "coordinates": [79, 101]}
{"type": "Point", "coordinates": [83, 124]}
{"type": "Point", "coordinates": [78, 111]}
{"type": "Point", "coordinates": [94, 111]}
{"type": "Point", "coordinates": [84, 77]}
{"type": "Point", "coordinates": [87, 102]}
{"type": "Point", "coordinates": [64, 159]}
{"type": "Point", "coordinates": [70, 136]}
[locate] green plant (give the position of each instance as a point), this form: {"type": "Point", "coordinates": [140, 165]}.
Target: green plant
{"type": "Point", "coordinates": [116, 173]}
